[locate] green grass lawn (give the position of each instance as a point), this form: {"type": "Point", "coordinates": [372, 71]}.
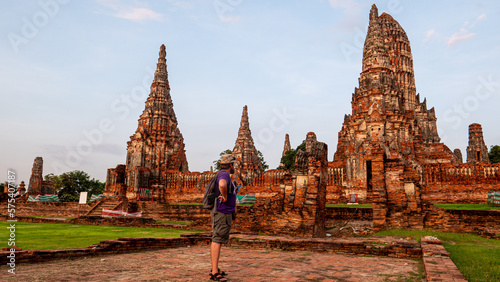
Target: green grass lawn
{"type": "Point", "coordinates": [39, 236]}
{"type": "Point", "coordinates": [349, 206]}
{"type": "Point", "coordinates": [476, 257]}
{"type": "Point", "coordinates": [468, 206]}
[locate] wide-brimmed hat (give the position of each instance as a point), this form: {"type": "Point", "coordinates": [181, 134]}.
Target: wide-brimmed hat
{"type": "Point", "coordinates": [227, 159]}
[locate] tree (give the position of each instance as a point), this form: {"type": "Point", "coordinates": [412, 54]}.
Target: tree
{"type": "Point", "coordinates": [70, 184]}
{"type": "Point", "coordinates": [262, 161]}
{"type": "Point", "coordinates": [217, 162]}
{"type": "Point", "coordinates": [494, 154]}
{"type": "Point", "coordinates": [288, 160]}
{"type": "Point", "coordinates": [228, 151]}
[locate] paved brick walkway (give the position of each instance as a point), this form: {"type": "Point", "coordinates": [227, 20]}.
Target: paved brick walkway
{"type": "Point", "coordinates": [193, 264]}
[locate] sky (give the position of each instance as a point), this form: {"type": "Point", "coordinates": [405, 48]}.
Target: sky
{"type": "Point", "coordinates": [74, 75]}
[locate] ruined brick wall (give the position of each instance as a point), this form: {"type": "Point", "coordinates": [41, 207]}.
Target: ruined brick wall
{"type": "Point", "coordinates": [335, 192]}
{"type": "Point", "coordinates": [47, 208]}
{"type": "Point", "coordinates": [266, 184]}
{"type": "Point", "coordinates": [352, 213]}
{"type": "Point", "coordinates": [193, 213]}
{"type": "Point", "coordinates": [299, 209]}
{"type": "Point", "coordinates": [483, 222]}
{"type": "Point", "coordinates": [115, 181]}
{"type": "Point", "coordinates": [184, 187]}
{"type": "Point", "coordinates": [466, 183]}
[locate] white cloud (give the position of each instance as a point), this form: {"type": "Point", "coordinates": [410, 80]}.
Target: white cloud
{"type": "Point", "coordinates": [138, 14]}
{"type": "Point", "coordinates": [461, 36]}
{"type": "Point", "coordinates": [129, 12]}
{"type": "Point", "coordinates": [230, 19]}
{"type": "Point", "coordinates": [353, 12]}
{"type": "Point", "coordinates": [429, 34]}
{"type": "Point", "coordinates": [181, 4]}
{"type": "Point", "coordinates": [350, 6]}
{"type": "Point", "coordinates": [481, 17]}
{"type": "Point", "coordinates": [464, 34]}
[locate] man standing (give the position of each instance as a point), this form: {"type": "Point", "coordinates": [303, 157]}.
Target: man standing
{"type": "Point", "coordinates": [222, 213]}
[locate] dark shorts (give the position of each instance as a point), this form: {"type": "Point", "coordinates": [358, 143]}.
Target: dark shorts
{"type": "Point", "coordinates": [221, 225]}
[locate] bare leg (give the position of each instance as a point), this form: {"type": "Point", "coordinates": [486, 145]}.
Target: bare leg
{"type": "Point", "coordinates": [215, 254]}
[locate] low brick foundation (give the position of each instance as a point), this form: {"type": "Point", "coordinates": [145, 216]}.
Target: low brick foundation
{"type": "Point", "coordinates": [47, 208]}
{"type": "Point", "coordinates": [482, 222]}
{"type": "Point", "coordinates": [360, 246]}
{"type": "Point", "coordinates": [97, 220]}
{"type": "Point", "coordinates": [485, 223]}
{"type": "Point", "coordinates": [437, 262]}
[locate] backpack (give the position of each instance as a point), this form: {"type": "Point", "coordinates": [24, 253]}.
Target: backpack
{"type": "Point", "coordinates": [210, 193]}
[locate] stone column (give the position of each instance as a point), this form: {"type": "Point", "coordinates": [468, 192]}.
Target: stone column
{"type": "Point", "coordinates": [311, 198]}
{"type": "Point", "coordinates": [317, 178]}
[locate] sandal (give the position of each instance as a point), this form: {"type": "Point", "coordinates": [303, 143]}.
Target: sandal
{"type": "Point", "coordinates": [219, 272]}
{"type": "Point", "coordinates": [217, 277]}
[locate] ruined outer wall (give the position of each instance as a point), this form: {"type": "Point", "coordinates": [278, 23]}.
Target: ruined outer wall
{"type": "Point", "coordinates": [440, 183]}
{"type": "Point", "coordinates": [482, 222]}
{"type": "Point", "coordinates": [47, 208]}
{"type": "Point", "coordinates": [465, 183]}
{"type": "Point", "coordinates": [265, 185]}
{"type": "Point", "coordinates": [335, 193]}
{"type": "Point", "coordinates": [184, 187]}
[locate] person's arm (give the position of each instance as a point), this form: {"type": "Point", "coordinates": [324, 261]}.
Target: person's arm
{"type": "Point", "coordinates": [223, 190]}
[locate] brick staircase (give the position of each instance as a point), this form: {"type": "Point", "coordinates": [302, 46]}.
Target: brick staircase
{"type": "Point", "coordinates": [110, 204]}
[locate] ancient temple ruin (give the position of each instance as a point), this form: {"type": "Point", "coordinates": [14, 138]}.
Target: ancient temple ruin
{"type": "Point", "coordinates": [387, 112]}
{"type": "Point", "coordinates": [38, 186]}
{"type": "Point", "coordinates": [389, 153]}
{"type": "Point", "coordinates": [247, 165]}
{"type": "Point", "coordinates": [389, 145]}
{"type": "Point", "coordinates": [157, 145]}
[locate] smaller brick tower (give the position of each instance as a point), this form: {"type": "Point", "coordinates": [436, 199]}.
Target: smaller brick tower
{"type": "Point", "coordinates": [36, 180]}
{"type": "Point", "coordinates": [476, 151]}
{"type": "Point", "coordinates": [247, 165]}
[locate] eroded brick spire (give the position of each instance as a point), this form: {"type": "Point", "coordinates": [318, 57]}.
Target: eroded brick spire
{"type": "Point", "coordinates": [36, 179]}
{"type": "Point", "coordinates": [386, 111]}
{"type": "Point", "coordinates": [157, 145]}
{"type": "Point", "coordinates": [247, 164]}
{"type": "Point", "coordinates": [161, 74]}
{"type": "Point", "coordinates": [286, 147]}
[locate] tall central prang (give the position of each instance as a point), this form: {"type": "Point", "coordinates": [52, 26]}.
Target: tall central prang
{"type": "Point", "coordinates": [387, 114]}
